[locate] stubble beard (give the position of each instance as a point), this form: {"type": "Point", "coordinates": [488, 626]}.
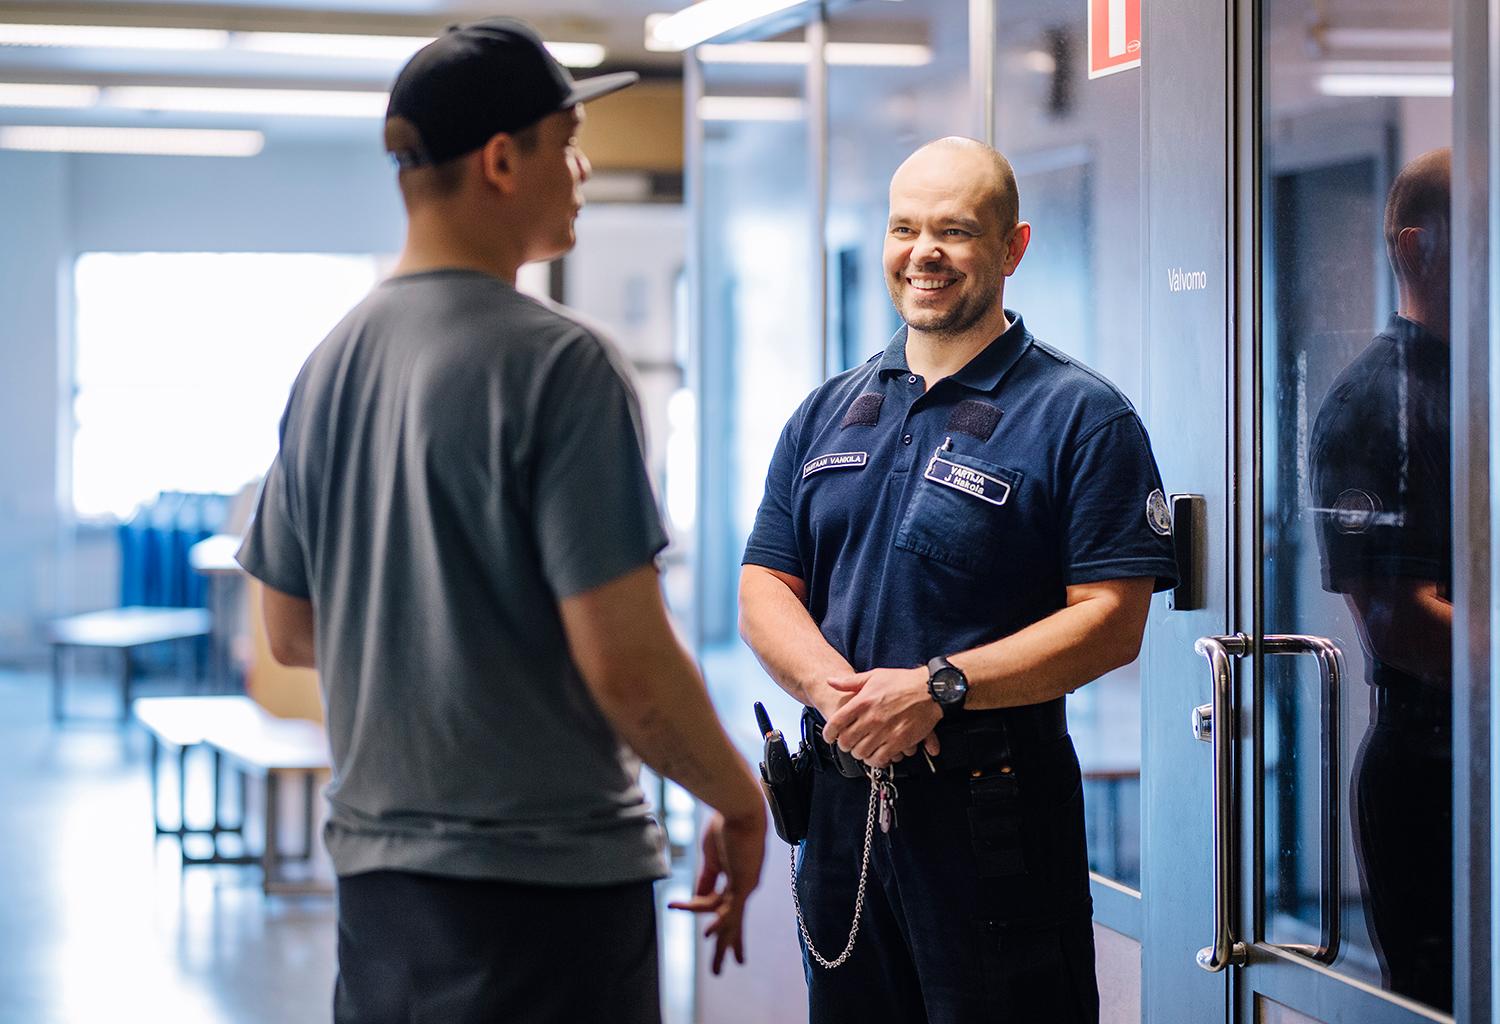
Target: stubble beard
{"type": "Point", "coordinates": [957, 319]}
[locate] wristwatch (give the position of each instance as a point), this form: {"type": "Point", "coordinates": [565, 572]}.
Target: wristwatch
{"type": "Point", "coordinates": [948, 685]}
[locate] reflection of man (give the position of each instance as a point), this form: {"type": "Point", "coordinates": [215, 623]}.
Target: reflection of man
{"type": "Point", "coordinates": [459, 532]}
{"type": "Point", "coordinates": [1380, 474]}
{"type": "Point", "coordinates": [953, 536]}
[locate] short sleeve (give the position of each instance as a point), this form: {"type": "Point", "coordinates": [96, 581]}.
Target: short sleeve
{"type": "Point", "coordinates": [1380, 512]}
{"type": "Point", "coordinates": [272, 551]}
{"type": "Point", "coordinates": [773, 540]}
{"type": "Point", "coordinates": [593, 509]}
{"type": "Point", "coordinates": [1115, 524]}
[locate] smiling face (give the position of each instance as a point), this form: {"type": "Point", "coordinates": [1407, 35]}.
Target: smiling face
{"type": "Point", "coordinates": [952, 237]}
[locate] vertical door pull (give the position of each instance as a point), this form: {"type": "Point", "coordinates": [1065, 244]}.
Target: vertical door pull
{"type": "Point", "coordinates": [1214, 722]}
{"type": "Point", "coordinates": [1218, 650]}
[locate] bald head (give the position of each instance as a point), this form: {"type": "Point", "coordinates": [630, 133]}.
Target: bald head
{"type": "Point", "coordinates": [1420, 198]}
{"type": "Point", "coordinates": [962, 164]}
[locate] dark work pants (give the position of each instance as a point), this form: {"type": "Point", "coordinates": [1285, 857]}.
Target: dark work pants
{"type": "Point", "coordinates": [422, 949]}
{"type": "Point", "coordinates": [952, 934]}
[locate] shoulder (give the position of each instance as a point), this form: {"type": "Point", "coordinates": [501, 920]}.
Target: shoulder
{"type": "Point", "coordinates": [829, 401]}
{"type": "Point", "coordinates": [1360, 400]}
{"type": "Point", "coordinates": [1070, 393]}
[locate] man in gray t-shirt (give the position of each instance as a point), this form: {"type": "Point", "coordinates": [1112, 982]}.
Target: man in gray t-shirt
{"type": "Point", "coordinates": [460, 534]}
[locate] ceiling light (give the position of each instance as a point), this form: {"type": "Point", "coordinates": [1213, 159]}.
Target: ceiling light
{"type": "Point", "coordinates": [706, 19]}
{"type": "Point", "coordinates": [113, 37]}
{"type": "Point", "coordinates": [750, 108]}
{"type": "Point", "coordinates": [292, 102]}
{"type": "Point", "coordinates": [386, 48]}
{"type": "Point", "coordinates": [1403, 39]}
{"type": "Point", "coordinates": [331, 44]}
{"type": "Point", "coordinates": [1385, 85]}
{"type": "Point", "coordinates": [139, 141]}
{"type": "Point", "coordinates": [23, 94]}
{"type": "Point", "coordinates": [841, 54]}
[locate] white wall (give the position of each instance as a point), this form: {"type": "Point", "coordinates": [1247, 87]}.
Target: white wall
{"type": "Point", "coordinates": [288, 199]}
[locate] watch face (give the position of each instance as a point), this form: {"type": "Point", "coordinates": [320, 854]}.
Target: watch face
{"type": "Point", "coordinates": [948, 685]}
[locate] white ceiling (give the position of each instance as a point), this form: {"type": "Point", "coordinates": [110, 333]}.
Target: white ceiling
{"type": "Point", "coordinates": [617, 24]}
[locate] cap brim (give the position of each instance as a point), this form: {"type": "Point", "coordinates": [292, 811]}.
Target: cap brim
{"type": "Point", "coordinates": [600, 85]}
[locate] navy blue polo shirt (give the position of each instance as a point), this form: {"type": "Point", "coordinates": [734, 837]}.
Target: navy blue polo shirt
{"type": "Point", "coordinates": [930, 522]}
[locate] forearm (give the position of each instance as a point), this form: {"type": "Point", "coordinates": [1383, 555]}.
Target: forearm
{"type": "Point", "coordinates": [778, 629]}
{"type": "Point", "coordinates": [1055, 656]}
{"type": "Point", "coordinates": [664, 714]}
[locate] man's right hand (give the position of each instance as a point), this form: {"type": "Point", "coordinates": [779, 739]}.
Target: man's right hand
{"type": "Point", "coordinates": [733, 849]}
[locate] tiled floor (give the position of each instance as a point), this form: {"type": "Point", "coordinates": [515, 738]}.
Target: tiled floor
{"type": "Point", "coordinates": [99, 925]}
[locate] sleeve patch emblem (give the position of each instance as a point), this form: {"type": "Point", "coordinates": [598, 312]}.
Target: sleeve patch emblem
{"type": "Point", "coordinates": [1158, 513]}
{"type": "Point", "coordinates": [1354, 511]}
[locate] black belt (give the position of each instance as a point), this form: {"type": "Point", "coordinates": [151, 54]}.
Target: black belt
{"type": "Point", "coordinates": [971, 740]}
{"type": "Point", "coordinates": [1401, 705]}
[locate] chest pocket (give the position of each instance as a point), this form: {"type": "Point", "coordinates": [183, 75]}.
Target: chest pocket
{"type": "Point", "coordinates": [959, 511]}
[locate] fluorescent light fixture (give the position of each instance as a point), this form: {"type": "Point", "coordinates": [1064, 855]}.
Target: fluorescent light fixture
{"type": "Point", "coordinates": [750, 108]}
{"type": "Point", "coordinates": [1385, 85]}
{"type": "Point", "coordinates": [291, 102]}
{"type": "Point", "coordinates": [331, 44]}
{"type": "Point", "coordinates": [386, 48]}
{"type": "Point", "coordinates": [113, 37]}
{"type": "Point", "coordinates": [1406, 40]}
{"type": "Point", "coordinates": [908, 55]}
{"type": "Point", "coordinates": [139, 141]}
{"type": "Point", "coordinates": [706, 19]}
{"type": "Point", "coordinates": [22, 94]}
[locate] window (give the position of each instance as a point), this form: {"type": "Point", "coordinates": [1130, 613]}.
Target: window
{"type": "Point", "coordinates": [183, 362]}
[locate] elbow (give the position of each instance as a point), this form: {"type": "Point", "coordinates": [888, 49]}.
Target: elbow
{"type": "Point", "coordinates": [293, 652]}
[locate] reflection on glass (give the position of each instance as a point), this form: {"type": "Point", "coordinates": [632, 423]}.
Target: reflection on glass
{"type": "Point", "coordinates": [1380, 477]}
{"type": "Point", "coordinates": [1356, 509]}
{"type": "Point", "coordinates": [1076, 148]}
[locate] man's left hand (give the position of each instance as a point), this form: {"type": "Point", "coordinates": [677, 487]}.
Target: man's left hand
{"type": "Point", "coordinates": [890, 713]}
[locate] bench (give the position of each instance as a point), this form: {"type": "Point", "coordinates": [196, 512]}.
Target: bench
{"type": "Point", "coordinates": [237, 731]}
{"type": "Point", "coordinates": [123, 630]}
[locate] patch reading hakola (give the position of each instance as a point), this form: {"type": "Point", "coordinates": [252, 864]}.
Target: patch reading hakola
{"type": "Point", "coordinates": [972, 482]}
{"type": "Point", "coordinates": [836, 460]}
{"type": "Point", "coordinates": [1158, 514]}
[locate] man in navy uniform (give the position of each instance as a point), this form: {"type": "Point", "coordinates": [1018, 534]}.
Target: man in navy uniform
{"type": "Point", "coordinates": [1382, 485]}
{"type": "Point", "coordinates": [954, 536]}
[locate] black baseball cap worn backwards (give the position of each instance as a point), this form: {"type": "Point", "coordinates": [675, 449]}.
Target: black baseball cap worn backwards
{"type": "Point", "coordinates": [476, 81]}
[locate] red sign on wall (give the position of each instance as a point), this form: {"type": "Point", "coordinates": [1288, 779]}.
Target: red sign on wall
{"type": "Point", "coordinates": [1114, 36]}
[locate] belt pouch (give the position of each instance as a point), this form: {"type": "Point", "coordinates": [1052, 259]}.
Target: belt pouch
{"type": "Point", "coordinates": [787, 781]}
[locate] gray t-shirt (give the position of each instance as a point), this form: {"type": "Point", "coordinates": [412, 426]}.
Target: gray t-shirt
{"type": "Point", "coordinates": [455, 458]}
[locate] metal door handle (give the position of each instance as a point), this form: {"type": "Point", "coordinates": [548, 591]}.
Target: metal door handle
{"type": "Point", "coordinates": [1331, 674]}
{"type": "Point", "coordinates": [1220, 714]}
{"type": "Point", "coordinates": [1214, 723]}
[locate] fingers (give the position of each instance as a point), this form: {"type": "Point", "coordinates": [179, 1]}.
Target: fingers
{"type": "Point", "coordinates": [849, 684]}
{"type": "Point", "coordinates": [705, 904]}
{"type": "Point", "coordinates": [932, 745]}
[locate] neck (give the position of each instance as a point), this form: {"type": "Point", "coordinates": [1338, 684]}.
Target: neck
{"type": "Point", "coordinates": [441, 239]}
{"type": "Point", "coordinates": [935, 355]}
{"type": "Point", "coordinates": [1432, 315]}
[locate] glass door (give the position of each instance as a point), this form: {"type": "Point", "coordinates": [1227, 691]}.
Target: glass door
{"type": "Point", "coordinates": [1345, 691]}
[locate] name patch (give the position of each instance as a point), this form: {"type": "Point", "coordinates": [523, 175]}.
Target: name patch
{"type": "Point", "coordinates": [961, 478]}
{"type": "Point", "coordinates": [835, 460]}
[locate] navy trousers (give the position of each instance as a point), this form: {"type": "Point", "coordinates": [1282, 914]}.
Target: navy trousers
{"type": "Point", "coordinates": [977, 909]}
{"type": "Point", "coordinates": [422, 949]}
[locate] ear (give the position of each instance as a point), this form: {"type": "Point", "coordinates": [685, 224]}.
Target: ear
{"type": "Point", "coordinates": [1411, 253]}
{"type": "Point", "coordinates": [1015, 246]}
{"type": "Point", "coordinates": [498, 163]}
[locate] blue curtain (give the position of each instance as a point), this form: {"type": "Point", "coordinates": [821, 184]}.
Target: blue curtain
{"type": "Point", "coordinates": [154, 543]}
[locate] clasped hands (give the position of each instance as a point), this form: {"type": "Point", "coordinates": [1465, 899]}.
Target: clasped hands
{"type": "Point", "coordinates": [884, 714]}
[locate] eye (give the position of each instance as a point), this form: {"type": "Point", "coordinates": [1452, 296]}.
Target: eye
{"type": "Point", "coordinates": [956, 233]}
{"type": "Point", "coordinates": [900, 229]}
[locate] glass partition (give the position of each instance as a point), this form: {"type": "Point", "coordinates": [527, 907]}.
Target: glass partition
{"type": "Point", "coordinates": [1074, 142]}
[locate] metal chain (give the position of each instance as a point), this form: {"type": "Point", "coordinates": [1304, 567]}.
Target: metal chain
{"type": "Point", "coordinates": [859, 897]}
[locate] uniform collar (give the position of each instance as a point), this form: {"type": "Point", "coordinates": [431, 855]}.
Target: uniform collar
{"type": "Point", "coordinates": [982, 373]}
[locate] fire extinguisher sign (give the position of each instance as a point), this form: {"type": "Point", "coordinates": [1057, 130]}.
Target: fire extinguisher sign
{"type": "Point", "coordinates": [1114, 36]}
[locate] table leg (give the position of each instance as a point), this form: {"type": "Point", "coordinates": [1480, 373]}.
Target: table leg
{"type": "Point", "coordinates": [57, 684]}
{"type": "Point", "coordinates": [308, 795]}
{"type": "Point", "coordinates": [270, 854]}
{"type": "Point", "coordinates": [127, 681]}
